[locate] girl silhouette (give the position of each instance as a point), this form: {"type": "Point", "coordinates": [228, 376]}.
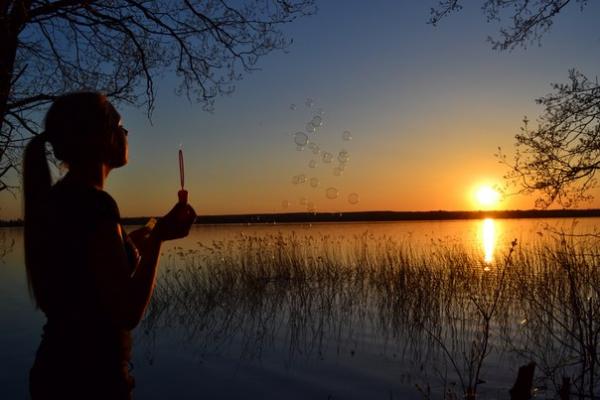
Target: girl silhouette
{"type": "Point", "coordinates": [91, 280]}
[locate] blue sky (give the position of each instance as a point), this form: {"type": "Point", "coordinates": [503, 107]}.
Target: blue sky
{"type": "Point", "coordinates": [427, 107]}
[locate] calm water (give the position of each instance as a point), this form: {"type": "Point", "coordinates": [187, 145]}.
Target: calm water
{"type": "Point", "coordinates": [260, 349]}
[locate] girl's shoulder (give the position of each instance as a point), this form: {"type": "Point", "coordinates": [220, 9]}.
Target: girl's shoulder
{"type": "Point", "coordinates": [79, 201]}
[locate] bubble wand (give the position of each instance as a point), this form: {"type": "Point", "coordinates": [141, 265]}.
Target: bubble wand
{"type": "Point", "coordinates": [182, 194]}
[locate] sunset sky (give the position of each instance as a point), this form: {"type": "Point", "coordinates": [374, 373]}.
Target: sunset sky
{"type": "Point", "coordinates": [427, 108]}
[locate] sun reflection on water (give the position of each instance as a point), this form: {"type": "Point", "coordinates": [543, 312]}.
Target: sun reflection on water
{"type": "Point", "coordinates": [488, 239]}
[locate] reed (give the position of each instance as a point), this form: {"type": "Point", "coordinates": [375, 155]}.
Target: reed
{"type": "Point", "coordinates": [444, 307]}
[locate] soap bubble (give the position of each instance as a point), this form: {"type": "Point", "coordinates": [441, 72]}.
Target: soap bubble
{"type": "Point", "coordinates": [343, 156]}
{"type": "Point", "coordinates": [312, 164]}
{"type": "Point", "coordinates": [292, 107]}
{"type": "Point", "coordinates": [310, 128]}
{"type": "Point", "coordinates": [300, 138]}
{"type": "Point", "coordinates": [353, 198]}
{"type": "Point", "coordinates": [337, 171]}
{"type": "Point", "coordinates": [327, 157]}
{"type": "Point", "coordinates": [314, 147]}
{"type": "Point", "coordinates": [331, 193]}
{"type": "Point", "coordinates": [309, 102]}
{"type": "Point", "coordinates": [285, 204]}
{"type": "Point", "coordinates": [314, 182]}
{"type": "Point", "coordinates": [299, 148]}
{"type": "Point", "coordinates": [317, 121]}
{"type": "Point", "coordinates": [346, 135]}
{"type": "Point", "coordinates": [342, 166]}
{"type": "Point", "coordinates": [297, 179]}
{"type": "Point", "coordinates": [320, 111]}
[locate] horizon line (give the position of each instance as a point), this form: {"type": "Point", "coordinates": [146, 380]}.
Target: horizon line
{"type": "Point", "coordinates": [365, 216]}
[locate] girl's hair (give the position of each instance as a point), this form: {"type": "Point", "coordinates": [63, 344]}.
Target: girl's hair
{"type": "Point", "coordinates": [75, 126]}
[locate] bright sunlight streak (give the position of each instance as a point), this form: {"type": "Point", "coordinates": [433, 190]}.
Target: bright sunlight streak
{"type": "Point", "coordinates": [486, 197]}
{"type": "Point", "coordinates": [488, 239]}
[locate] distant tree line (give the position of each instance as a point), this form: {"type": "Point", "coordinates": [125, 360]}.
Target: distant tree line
{"type": "Point", "coordinates": [364, 216]}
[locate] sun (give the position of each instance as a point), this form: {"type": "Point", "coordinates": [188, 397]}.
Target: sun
{"type": "Point", "coordinates": [486, 196]}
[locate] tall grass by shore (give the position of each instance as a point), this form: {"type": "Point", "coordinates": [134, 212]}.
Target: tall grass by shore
{"type": "Point", "coordinates": [444, 306]}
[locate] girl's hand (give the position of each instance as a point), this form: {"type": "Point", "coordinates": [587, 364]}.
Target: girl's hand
{"type": "Point", "coordinates": [139, 236]}
{"type": "Point", "coordinates": [176, 224]}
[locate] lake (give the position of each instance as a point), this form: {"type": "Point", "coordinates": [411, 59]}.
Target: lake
{"type": "Point", "coordinates": [332, 311]}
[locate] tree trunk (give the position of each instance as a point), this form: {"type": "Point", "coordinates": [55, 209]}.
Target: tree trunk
{"type": "Point", "coordinates": [8, 50]}
{"type": "Point", "coordinates": [11, 23]}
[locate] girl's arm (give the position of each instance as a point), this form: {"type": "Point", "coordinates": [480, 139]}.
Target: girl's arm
{"type": "Point", "coordinates": [125, 296]}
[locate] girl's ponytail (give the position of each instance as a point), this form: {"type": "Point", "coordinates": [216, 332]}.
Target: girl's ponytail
{"type": "Point", "coordinates": [37, 182]}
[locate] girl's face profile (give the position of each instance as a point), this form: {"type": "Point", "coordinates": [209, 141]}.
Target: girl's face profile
{"type": "Point", "coordinates": [118, 146]}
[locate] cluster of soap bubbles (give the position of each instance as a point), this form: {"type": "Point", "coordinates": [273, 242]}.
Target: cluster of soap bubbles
{"type": "Point", "coordinates": [342, 159]}
{"type": "Point", "coordinates": [320, 159]}
{"type": "Point", "coordinates": [301, 138]}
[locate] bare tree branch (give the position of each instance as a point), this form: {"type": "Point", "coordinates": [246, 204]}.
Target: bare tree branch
{"type": "Point", "coordinates": [529, 19]}
{"type": "Point", "coordinates": [119, 47]}
{"type": "Point", "coordinates": [559, 159]}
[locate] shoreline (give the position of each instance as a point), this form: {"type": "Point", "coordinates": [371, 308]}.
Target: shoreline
{"type": "Point", "coordinates": [363, 216]}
